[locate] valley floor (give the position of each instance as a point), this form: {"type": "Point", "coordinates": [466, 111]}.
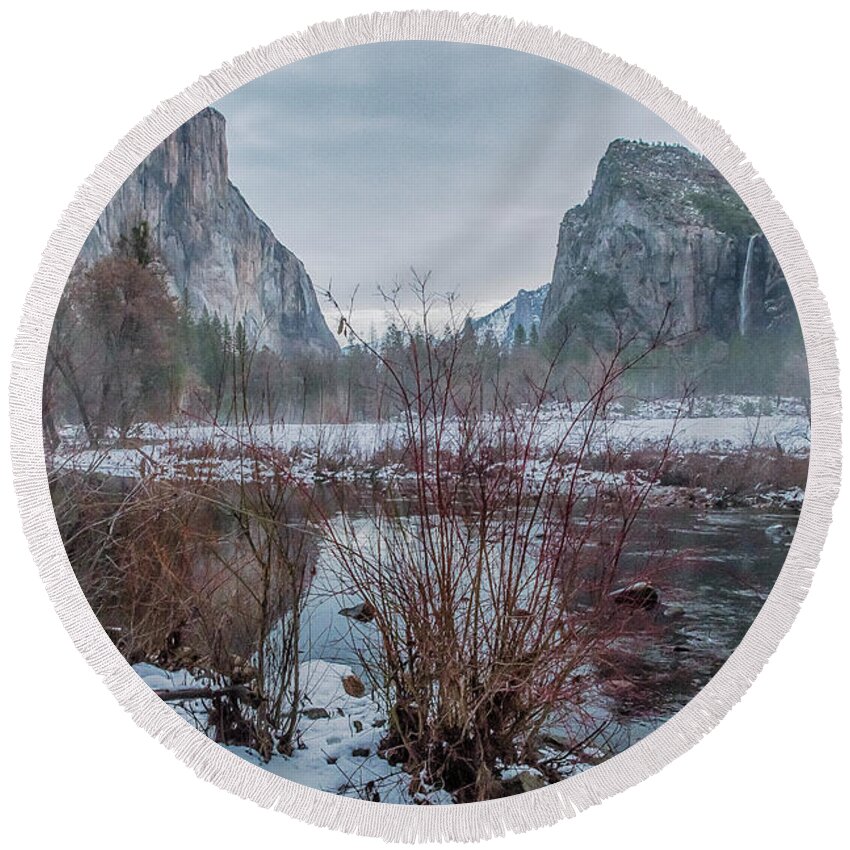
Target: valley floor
{"type": "Point", "coordinates": [375, 450]}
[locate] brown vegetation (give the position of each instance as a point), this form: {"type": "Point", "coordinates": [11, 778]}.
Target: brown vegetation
{"type": "Point", "coordinates": [202, 575]}
{"type": "Point", "coordinates": [736, 473]}
{"type": "Point", "coordinates": [113, 347]}
{"type": "Point", "coordinates": [492, 588]}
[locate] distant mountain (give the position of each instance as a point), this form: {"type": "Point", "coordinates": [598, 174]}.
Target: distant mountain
{"type": "Point", "coordinates": [217, 254]}
{"type": "Point", "coordinates": [663, 234]}
{"type": "Point", "coordinates": [525, 308]}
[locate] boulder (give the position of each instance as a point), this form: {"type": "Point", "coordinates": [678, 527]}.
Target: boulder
{"type": "Point", "coordinates": [353, 686]}
{"type": "Point", "coordinates": [522, 782]}
{"type": "Point", "coordinates": [556, 742]}
{"type": "Point", "coordinates": [778, 532]}
{"type": "Point", "coordinates": [674, 612]}
{"type": "Point", "coordinates": [363, 612]}
{"type": "Point", "coordinates": [640, 595]}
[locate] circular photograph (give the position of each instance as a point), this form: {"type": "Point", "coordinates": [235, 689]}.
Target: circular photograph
{"type": "Point", "coordinates": [426, 423]}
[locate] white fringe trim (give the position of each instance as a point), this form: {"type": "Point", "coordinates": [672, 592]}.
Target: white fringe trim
{"type": "Point", "coordinates": [472, 821]}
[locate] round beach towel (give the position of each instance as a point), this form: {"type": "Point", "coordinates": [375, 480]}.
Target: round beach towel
{"type": "Point", "coordinates": [432, 435]}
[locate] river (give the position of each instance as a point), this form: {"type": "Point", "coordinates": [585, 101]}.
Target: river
{"type": "Point", "coordinates": [722, 566]}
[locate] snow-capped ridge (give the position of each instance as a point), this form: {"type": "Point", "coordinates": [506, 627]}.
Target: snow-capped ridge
{"type": "Point", "coordinates": [524, 309]}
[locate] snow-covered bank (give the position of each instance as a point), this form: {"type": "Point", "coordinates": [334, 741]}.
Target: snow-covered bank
{"type": "Point", "coordinates": [708, 407]}
{"type": "Point", "coordinates": [349, 451]}
{"type": "Point", "coordinates": [338, 736]}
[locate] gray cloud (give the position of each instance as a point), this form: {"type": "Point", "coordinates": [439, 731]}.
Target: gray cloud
{"type": "Point", "coordinates": [458, 159]}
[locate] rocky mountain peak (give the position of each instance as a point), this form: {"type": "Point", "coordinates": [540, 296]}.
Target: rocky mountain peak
{"type": "Point", "coordinates": [662, 233]}
{"type": "Point", "coordinates": [525, 309]}
{"type": "Point", "coordinates": [217, 254]}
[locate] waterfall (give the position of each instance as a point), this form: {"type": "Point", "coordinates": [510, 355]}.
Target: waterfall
{"type": "Point", "coordinates": [744, 297]}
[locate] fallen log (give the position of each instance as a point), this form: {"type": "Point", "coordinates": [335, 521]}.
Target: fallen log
{"type": "Point", "coordinates": [178, 694]}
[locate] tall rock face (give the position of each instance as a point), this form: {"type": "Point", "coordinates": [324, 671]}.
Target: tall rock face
{"type": "Point", "coordinates": [663, 237]}
{"type": "Point", "coordinates": [217, 254]}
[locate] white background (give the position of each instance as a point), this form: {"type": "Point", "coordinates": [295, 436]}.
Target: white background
{"type": "Point", "coordinates": [77, 76]}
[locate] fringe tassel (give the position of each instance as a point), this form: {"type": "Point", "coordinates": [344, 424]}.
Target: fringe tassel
{"type": "Point", "coordinates": [473, 821]}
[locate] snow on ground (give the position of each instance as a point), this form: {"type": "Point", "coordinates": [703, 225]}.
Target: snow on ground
{"type": "Point", "coordinates": [702, 407]}
{"type": "Point", "coordinates": [328, 761]}
{"type": "Point", "coordinates": [157, 679]}
{"type": "Point", "coordinates": [349, 451]}
{"type": "Point", "coordinates": [337, 739]}
{"type": "Point", "coordinates": [325, 757]}
{"type": "Point", "coordinates": [726, 433]}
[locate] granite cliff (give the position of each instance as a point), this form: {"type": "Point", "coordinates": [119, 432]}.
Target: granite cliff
{"type": "Point", "coordinates": [663, 234]}
{"type": "Point", "coordinates": [216, 253]}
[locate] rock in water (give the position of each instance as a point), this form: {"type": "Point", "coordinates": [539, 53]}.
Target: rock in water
{"type": "Point", "coordinates": [674, 612]}
{"type": "Point", "coordinates": [522, 782]}
{"type": "Point", "coordinates": [641, 594]}
{"type": "Point", "coordinates": [778, 533]}
{"type": "Point", "coordinates": [556, 741]}
{"type": "Point", "coordinates": [363, 612]}
{"type": "Point", "coordinates": [217, 254]}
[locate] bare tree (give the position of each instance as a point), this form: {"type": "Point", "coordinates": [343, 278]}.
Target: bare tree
{"type": "Point", "coordinates": [114, 347]}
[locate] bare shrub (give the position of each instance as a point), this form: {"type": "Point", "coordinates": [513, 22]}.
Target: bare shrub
{"type": "Point", "coordinates": [201, 574]}
{"type": "Point", "coordinates": [135, 547]}
{"type": "Point", "coordinates": [491, 582]}
{"type": "Point", "coordinates": [736, 473]}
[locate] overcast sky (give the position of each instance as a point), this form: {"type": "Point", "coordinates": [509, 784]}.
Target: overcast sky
{"type": "Point", "coordinates": [452, 158]}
